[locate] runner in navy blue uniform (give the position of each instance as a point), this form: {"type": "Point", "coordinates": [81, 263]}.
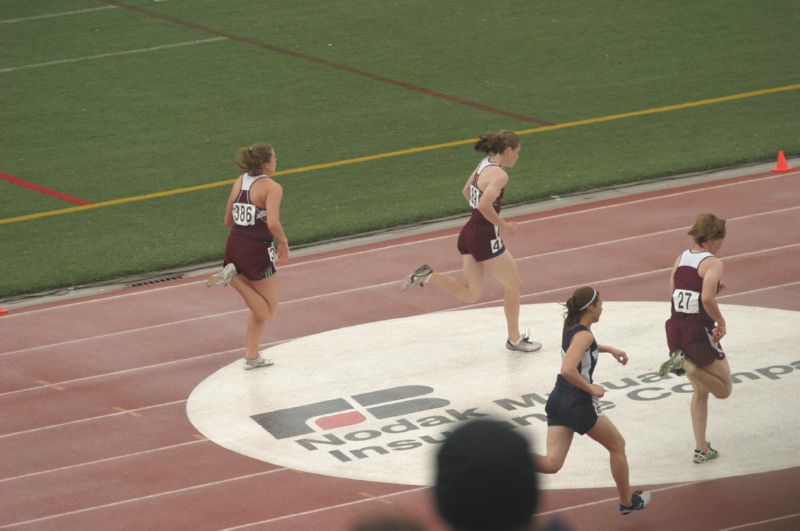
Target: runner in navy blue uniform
{"type": "Point", "coordinates": [481, 239]}
{"type": "Point", "coordinates": [573, 404]}
{"type": "Point", "coordinates": [696, 326]}
{"type": "Point", "coordinates": [251, 253]}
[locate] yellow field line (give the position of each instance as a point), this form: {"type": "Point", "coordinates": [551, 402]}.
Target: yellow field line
{"type": "Point", "coordinates": [410, 151]}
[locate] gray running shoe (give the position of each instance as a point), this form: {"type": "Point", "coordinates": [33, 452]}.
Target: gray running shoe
{"type": "Point", "coordinates": [523, 344]}
{"type": "Point", "coordinates": [419, 277]}
{"type": "Point", "coordinates": [223, 277]}
{"type": "Point", "coordinates": [700, 457]}
{"type": "Point", "coordinates": [675, 361]}
{"type": "Point", "coordinates": [256, 363]}
{"type": "Point", "coordinates": [639, 500]}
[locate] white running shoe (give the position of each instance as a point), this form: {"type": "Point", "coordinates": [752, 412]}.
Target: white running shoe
{"type": "Point", "coordinates": [701, 457]}
{"type": "Point", "coordinates": [419, 277]}
{"type": "Point", "coordinates": [256, 363]}
{"type": "Point", "coordinates": [223, 277]}
{"type": "Point", "coordinates": [523, 344]}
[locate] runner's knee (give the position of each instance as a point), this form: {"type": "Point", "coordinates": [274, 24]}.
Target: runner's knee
{"type": "Point", "coordinates": [725, 392]}
{"type": "Point", "coordinates": [550, 465]}
{"type": "Point", "coordinates": [473, 295]}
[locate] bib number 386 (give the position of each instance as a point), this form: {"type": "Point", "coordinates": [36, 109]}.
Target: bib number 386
{"type": "Point", "coordinates": [474, 196]}
{"type": "Point", "coordinates": [244, 214]}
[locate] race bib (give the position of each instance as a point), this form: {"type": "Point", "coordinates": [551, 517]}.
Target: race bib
{"type": "Point", "coordinates": [474, 196]}
{"type": "Point", "coordinates": [244, 214]}
{"type": "Point", "coordinates": [272, 252]}
{"type": "Point", "coordinates": [496, 244]}
{"type": "Point", "coordinates": [686, 301]}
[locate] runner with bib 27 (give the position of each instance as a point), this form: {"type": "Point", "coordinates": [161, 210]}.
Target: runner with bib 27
{"type": "Point", "coordinates": [696, 326]}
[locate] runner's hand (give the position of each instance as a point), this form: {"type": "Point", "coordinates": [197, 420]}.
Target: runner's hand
{"type": "Point", "coordinates": [283, 253]}
{"type": "Point", "coordinates": [597, 390]}
{"type": "Point", "coordinates": [719, 331]}
{"type": "Point", "coordinates": [509, 229]}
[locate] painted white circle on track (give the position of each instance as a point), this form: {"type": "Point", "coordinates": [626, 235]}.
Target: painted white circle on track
{"type": "Point", "coordinates": [373, 401]}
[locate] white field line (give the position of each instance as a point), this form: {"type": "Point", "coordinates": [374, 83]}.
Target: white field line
{"type": "Point", "coordinates": [105, 460]}
{"type": "Point", "coordinates": [52, 15]}
{"type": "Point", "coordinates": [89, 419]}
{"type": "Point", "coordinates": [426, 240]}
{"type": "Point", "coordinates": [352, 290]}
{"type": "Point", "coordinates": [751, 524]}
{"type": "Point", "coordinates": [112, 54]}
{"type": "Point", "coordinates": [140, 498]}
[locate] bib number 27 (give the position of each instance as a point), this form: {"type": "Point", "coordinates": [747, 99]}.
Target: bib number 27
{"type": "Point", "coordinates": [686, 301]}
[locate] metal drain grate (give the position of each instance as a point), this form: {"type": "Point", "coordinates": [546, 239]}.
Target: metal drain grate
{"type": "Point", "coordinates": [156, 280]}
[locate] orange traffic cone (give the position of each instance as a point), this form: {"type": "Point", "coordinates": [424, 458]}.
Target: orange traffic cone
{"type": "Point", "coordinates": [782, 164]}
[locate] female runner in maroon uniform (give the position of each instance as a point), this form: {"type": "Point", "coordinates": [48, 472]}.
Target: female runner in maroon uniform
{"type": "Point", "coordinates": [251, 257]}
{"type": "Point", "coordinates": [692, 335]}
{"type": "Point", "coordinates": [480, 241]}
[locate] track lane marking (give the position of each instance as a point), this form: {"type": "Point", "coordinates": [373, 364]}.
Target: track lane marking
{"type": "Point", "coordinates": [361, 288]}
{"type": "Point", "coordinates": [104, 460]}
{"type": "Point", "coordinates": [455, 308]}
{"type": "Point", "coordinates": [435, 238]}
{"type": "Point", "coordinates": [768, 521]}
{"type": "Point", "coordinates": [88, 419]}
{"type": "Point", "coordinates": [273, 343]}
{"type": "Point", "coordinates": [140, 498]}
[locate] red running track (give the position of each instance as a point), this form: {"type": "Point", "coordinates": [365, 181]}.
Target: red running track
{"type": "Point", "coordinates": [93, 429]}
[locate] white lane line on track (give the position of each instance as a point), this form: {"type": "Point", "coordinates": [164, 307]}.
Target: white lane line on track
{"type": "Point", "coordinates": [322, 509]}
{"type": "Point", "coordinates": [629, 277]}
{"type": "Point", "coordinates": [748, 292]}
{"type": "Point", "coordinates": [456, 308]}
{"type": "Point", "coordinates": [112, 54]}
{"type": "Point", "coordinates": [751, 524]}
{"type": "Point", "coordinates": [409, 491]}
{"type": "Point", "coordinates": [105, 460]}
{"type": "Point", "coordinates": [159, 365]}
{"type": "Point", "coordinates": [426, 240]}
{"type": "Point", "coordinates": [52, 15]}
{"type": "Point", "coordinates": [397, 282]}
{"type": "Point", "coordinates": [140, 498]}
{"type": "Point", "coordinates": [89, 419]}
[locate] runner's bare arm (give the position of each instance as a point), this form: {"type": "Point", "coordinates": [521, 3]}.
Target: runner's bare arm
{"type": "Point", "coordinates": [712, 273]}
{"type": "Point", "coordinates": [619, 355]}
{"type": "Point", "coordinates": [273, 207]}
{"type": "Point", "coordinates": [229, 207]}
{"type": "Point", "coordinates": [672, 275]}
{"type": "Point", "coordinates": [496, 180]}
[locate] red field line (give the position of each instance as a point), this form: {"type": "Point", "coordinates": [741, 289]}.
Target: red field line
{"type": "Point", "coordinates": [330, 64]}
{"type": "Point", "coordinates": [44, 190]}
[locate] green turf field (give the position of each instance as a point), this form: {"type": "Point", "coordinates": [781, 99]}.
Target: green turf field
{"type": "Point", "coordinates": [121, 103]}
